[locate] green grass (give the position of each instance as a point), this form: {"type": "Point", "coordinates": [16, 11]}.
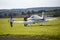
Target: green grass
{"type": "Point", "coordinates": [48, 30]}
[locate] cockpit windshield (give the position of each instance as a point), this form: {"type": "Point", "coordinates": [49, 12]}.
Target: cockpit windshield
{"type": "Point", "coordinates": [35, 16]}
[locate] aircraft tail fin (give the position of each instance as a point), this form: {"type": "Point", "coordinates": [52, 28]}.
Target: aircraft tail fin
{"type": "Point", "coordinates": [43, 15]}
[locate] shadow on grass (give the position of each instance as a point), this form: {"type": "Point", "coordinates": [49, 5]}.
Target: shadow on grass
{"type": "Point", "coordinates": [44, 25]}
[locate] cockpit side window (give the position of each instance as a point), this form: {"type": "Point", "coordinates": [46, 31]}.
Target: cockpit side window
{"type": "Point", "coordinates": [32, 16]}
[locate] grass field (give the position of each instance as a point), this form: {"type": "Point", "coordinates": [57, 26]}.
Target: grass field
{"type": "Point", "coordinates": [48, 30]}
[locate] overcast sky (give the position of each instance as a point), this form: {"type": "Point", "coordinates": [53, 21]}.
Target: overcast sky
{"type": "Point", "coordinates": [9, 4]}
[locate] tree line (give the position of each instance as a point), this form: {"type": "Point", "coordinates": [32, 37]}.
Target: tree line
{"type": "Point", "coordinates": [55, 13]}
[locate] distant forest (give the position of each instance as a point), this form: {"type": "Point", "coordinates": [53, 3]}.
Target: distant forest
{"type": "Point", "coordinates": [6, 13]}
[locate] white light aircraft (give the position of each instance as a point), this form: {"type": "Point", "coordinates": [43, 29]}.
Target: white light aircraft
{"type": "Point", "coordinates": [35, 19]}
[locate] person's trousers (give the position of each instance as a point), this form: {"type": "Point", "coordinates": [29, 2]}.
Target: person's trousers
{"type": "Point", "coordinates": [11, 24]}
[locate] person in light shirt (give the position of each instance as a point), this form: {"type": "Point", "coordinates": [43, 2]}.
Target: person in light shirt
{"type": "Point", "coordinates": [11, 21]}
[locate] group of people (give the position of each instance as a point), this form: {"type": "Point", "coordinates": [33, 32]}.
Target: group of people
{"type": "Point", "coordinates": [11, 21]}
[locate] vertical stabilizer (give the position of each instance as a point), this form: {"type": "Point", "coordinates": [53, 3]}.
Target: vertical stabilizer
{"type": "Point", "coordinates": [43, 16]}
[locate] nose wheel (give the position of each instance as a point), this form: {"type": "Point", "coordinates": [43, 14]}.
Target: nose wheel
{"type": "Point", "coordinates": [25, 24]}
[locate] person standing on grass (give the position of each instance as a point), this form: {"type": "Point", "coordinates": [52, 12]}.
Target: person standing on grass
{"type": "Point", "coordinates": [11, 21]}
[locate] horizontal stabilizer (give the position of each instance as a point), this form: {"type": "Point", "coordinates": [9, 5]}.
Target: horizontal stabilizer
{"type": "Point", "coordinates": [50, 19]}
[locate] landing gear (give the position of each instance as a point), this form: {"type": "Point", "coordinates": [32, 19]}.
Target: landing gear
{"type": "Point", "coordinates": [25, 24]}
